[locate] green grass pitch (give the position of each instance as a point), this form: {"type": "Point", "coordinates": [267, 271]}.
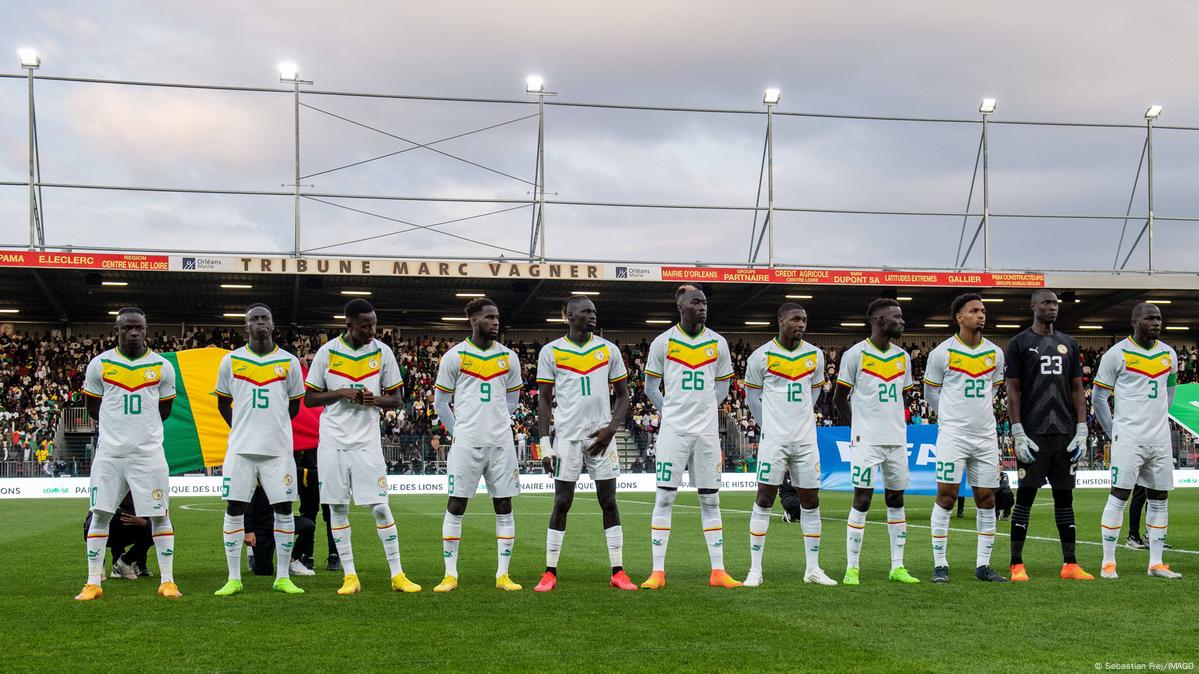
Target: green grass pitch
{"type": "Point", "coordinates": [584, 625]}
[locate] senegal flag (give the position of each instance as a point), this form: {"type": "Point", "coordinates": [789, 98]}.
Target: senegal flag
{"type": "Point", "coordinates": [1185, 410]}
{"type": "Point", "coordinates": [195, 435]}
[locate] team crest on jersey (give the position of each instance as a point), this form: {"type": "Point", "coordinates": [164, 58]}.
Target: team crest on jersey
{"type": "Point", "coordinates": [382, 482]}
{"type": "Point", "coordinates": [131, 377]}
{"type": "Point", "coordinates": [354, 368]}
{"type": "Point", "coordinates": [156, 494]}
{"type": "Point", "coordinates": [693, 356]}
{"type": "Point", "coordinates": [1152, 366]}
{"type": "Point", "coordinates": [581, 363]}
{"type": "Point", "coordinates": [259, 374]}
{"type": "Point", "coordinates": [485, 368]}
{"type": "Point", "coordinates": [885, 368]}
{"type": "Point", "coordinates": [1061, 348]}
{"type": "Point", "coordinates": [287, 480]}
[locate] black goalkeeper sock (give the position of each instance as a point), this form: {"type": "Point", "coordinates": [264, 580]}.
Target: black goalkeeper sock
{"type": "Point", "coordinates": [1063, 514]}
{"type": "Point", "coordinates": [1020, 514]}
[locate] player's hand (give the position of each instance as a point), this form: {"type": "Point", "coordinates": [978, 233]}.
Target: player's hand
{"type": "Point", "coordinates": [366, 398]}
{"type": "Point", "coordinates": [133, 520]}
{"type": "Point", "coordinates": [350, 394]}
{"type": "Point", "coordinates": [251, 540]}
{"type": "Point", "coordinates": [1026, 450]}
{"type": "Point", "coordinates": [602, 438]}
{"type": "Point", "coordinates": [547, 462]}
{"type": "Point", "coordinates": [1079, 444]}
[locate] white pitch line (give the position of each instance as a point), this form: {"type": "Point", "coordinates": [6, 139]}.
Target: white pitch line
{"type": "Point", "coordinates": [918, 526]}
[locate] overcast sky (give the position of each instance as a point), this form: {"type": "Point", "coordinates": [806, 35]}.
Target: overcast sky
{"type": "Point", "coordinates": [1061, 61]}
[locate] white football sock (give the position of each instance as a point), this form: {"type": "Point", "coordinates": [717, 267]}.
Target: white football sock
{"type": "Point", "coordinates": [984, 522]}
{"type": "Point", "coordinates": [855, 531]}
{"type": "Point", "coordinates": [164, 546]}
{"type": "Point", "coordinates": [897, 527]}
{"type": "Point", "coordinates": [940, 536]}
{"type": "Point", "coordinates": [615, 537]}
{"type": "Point", "coordinates": [385, 525]}
{"type": "Point", "coordinates": [285, 540]}
{"type": "Point", "coordinates": [97, 541]}
{"type": "Point", "coordinates": [709, 514]}
{"type": "Point", "coordinates": [759, 522]}
{"type": "Point", "coordinates": [660, 526]}
{"type": "Point", "coordinates": [1156, 519]}
{"type": "Point", "coordinates": [553, 546]}
{"type": "Point", "coordinates": [1109, 527]}
{"type": "Point", "coordinates": [339, 521]}
{"type": "Point", "coordinates": [505, 537]}
{"type": "Point", "coordinates": [451, 534]}
{"type": "Point", "coordinates": [233, 530]}
{"type": "Point", "coordinates": [809, 522]}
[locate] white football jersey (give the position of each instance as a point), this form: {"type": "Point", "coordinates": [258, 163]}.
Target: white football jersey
{"type": "Point", "coordinates": [261, 388]}
{"type": "Point", "coordinates": [337, 365]}
{"type": "Point", "coordinates": [788, 380]}
{"type": "Point", "coordinates": [967, 377]}
{"type": "Point", "coordinates": [130, 390]}
{"type": "Point", "coordinates": [580, 374]}
{"type": "Point", "coordinates": [877, 379]}
{"type": "Point", "coordinates": [1140, 378]}
{"type": "Point", "coordinates": [689, 368]}
{"type": "Point", "coordinates": [480, 380]}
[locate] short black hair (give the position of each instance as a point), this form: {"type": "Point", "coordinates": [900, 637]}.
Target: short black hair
{"type": "Point", "coordinates": [130, 310]}
{"type": "Point", "coordinates": [1140, 309]}
{"type": "Point", "coordinates": [260, 304]}
{"type": "Point", "coordinates": [356, 307]}
{"type": "Point", "coordinates": [1040, 292]}
{"type": "Point", "coordinates": [787, 307]}
{"type": "Point", "coordinates": [476, 305]}
{"type": "Point", "coordinates": [573, 299]}
{"type": "Point", "coordinates": [685, 288]}
{"type": "Point", "coordinates": [878, 305]}
{"type": "Point", "coordinates": [961, 301]}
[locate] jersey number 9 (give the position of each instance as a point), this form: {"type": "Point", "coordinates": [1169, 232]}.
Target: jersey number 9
{"type": "Point", "coordinates": [485, 392]}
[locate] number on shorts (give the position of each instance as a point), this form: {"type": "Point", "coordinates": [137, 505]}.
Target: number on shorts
{"type": "Point", "coordinates": [451, 478]}
{"type": "Point", "coordinates": [1153, 393]}
{"type": "Point", "coordinates": [485, 392]}
{"type": "Point", "coordinates": [664, 471]}
{"type": "Point", "coordinates": [945, 470]}
{"type": "Point", "coordinates": [260, 401]}
{"type": "Point", "coordinates": [888, 392]}
{"type": "Point", "coordinates": [795, 392]}
{"type": "Point", "coordinates": [693, 380]}
{"type": "Point", "coordinates": [1115, 473]}
{"type": "Point", "coordinates": [132, 403]}
{"type": "Point", "coordinates": [763, 471]}
{"type": "Point", "coordinates": [976, 388]}
{"type": "Point", "coordinates": [585, 383]}
{"type": "Point", "coordinates": [224, 487]}
{"type": "Point", "coordinates": [557, 461]}
{"type": "Point", "coordinates": [93, 497]}
{"type": "Point", "coordinates": [860, 476]}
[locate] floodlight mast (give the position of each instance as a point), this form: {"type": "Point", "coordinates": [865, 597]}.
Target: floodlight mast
{"type": "Point", "coordinates": [986, 108]}
{"type": "Point", "coordinates": [30, 61]}
{"type": "Point", "coordinates": [290, 72]}
{"type": "Point", "coordinates": [1151, 114]}
{"type": "Point", "coordinates": [770, 98]}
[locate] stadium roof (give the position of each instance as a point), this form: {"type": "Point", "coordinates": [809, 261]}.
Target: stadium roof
{"type": "Point", "coordinates": [173, 297]}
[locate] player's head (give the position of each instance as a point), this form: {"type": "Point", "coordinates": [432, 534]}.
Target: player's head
{"type": "Point", "coordinates": [692, 304]}
{"type": "Point", "coordinates": [131, 329]}
{"type": "Point", "coordinates": [360, 320]}
{"type": "Point", "coordinates": [260, 324]}
{"type": "Point", "coordinates": [793, 321]}
{"type": "Point", "coordinates": [886, 317]}
{"type": "Point", "coordinates": [968, 311]}
{"type": "Point", "coordinates": [1044, 306]}
{"type": "Point", "coordinates": [1146, 322]}
{"type": "Point", "coordinates": [579, 313]}
{"type": "Point", "coordinates": [484, 317]}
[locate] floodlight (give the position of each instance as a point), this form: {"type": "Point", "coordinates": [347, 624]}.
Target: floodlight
{"type": "Point", "coordinates": [1153, 112]}
{"type": "Point", "coordinates": [289, 71]}
{"type": "Point", "coordinates": [771, 97]}
{"type": "Point", "coordinates": [987, 106]}
{"type": "Point", "coordinates": [534, 84]}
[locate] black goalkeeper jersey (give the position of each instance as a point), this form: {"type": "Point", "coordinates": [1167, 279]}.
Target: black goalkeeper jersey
{"type": "Point", "coordinates": [1045, 365]}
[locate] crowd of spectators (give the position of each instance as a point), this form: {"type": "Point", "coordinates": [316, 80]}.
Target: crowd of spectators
{"type": "Point", "coordinates": [42, 375]}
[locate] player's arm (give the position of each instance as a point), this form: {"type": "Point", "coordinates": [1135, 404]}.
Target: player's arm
{"type": "Point", "coordinates": [841, 400]}
{"type": "Point", "coordinates": [753, 400]}
{"type": "Point", "coordinates": [224, 382]}
{"type": "Point", "coordinates": [448, 369]}
{"type": "Point", "coordinates": [314, 398]}
{"type": "Point", "coordinates": [724, 372]}
{"type": "Point", "coordinates": [224, 405]}
{"type": "Point", "coordinates": [934, 376]}
{"type": "Point", "coordinates": [545, 408]}
{"type": "Point", "coordinates": [1100, 395]}
{"type": "Point", "coordinates": [441, 403]}
{"type": "Point", "coordinates": [513, 383]}
{"type": "Point", "coordinates": [653, 390]}
{"type": "Point", "coordinates": [655, 365]}
{"type": "Point", "coordinates": [818, 379]}
{"type": "Point", "coordinates": [166, 391]}
{"type": "Point", "coordinates": [603, 437]}
{"type": "Point", "coordinates": [755, 374]}
{"type": "Point", "coordinates": [92, 403]}
{"type": "Point", "coordinates": [847, 376]}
